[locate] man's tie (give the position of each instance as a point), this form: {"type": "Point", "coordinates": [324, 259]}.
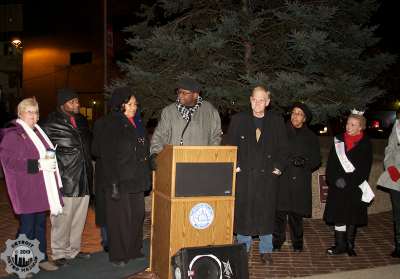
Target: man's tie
{"type": "Point", "coordinates": [73, 122]}
{"type": "Point", "coordinates": [258, 134]}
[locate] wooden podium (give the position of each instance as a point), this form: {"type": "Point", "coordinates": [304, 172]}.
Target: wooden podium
{"type": "Point", "coordinates": [192, 201]}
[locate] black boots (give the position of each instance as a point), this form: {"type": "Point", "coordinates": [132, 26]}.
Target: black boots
{"type": "Point", "coordinates": [396, 252]}
{"type": "Point", "coordinates": [351, 237]}
{"type": "Point", "coordinates": [344, 242]}
{"type": "Point", "coordinates": [340, 244]}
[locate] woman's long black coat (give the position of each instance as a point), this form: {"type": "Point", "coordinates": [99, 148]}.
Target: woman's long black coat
{"type": "Point", "coordinates": [256, 186]}
{"type": "Point", "coordinates": [295, 188]}
{"type": "Point", "coordinates": [122, 158]}
{"type": "Point", "coordinates": [344, 206]}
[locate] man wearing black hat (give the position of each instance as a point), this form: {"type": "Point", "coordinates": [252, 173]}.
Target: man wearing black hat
{"type": "Point", "coordinates": [69, 131]}
{"type": "Point", "coordinates": [295, 192]}
{"type": "Point", "coordinates": [188, 121]}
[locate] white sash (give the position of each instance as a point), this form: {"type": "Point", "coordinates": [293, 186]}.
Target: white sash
{"type": "Point", "coordinates": [341, 154]}
{"type": "Point", "coordinates": [397, 125]}
{"type": "Point", "coordinates": [49, 177]}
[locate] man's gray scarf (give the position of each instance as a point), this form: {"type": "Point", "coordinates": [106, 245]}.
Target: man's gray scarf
{"type": "Point", "coordinates": [187, 113]}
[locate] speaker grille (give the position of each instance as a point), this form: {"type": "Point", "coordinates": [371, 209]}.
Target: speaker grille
{"type": "Point", "coordinates": [212, 262]}
{"type": "Point", "coordinates": [203, 179]}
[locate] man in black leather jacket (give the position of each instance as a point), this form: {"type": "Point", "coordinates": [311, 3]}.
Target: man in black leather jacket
{"type": "Point", "coordinates": [69, 131]}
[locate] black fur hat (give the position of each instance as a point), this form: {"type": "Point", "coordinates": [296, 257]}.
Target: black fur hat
{"type": "Point", "coordinates": [65, 94]}
{"type": "Point", "coordinates": [305, 109]}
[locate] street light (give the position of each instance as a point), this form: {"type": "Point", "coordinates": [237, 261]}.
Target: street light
{"type": "Point", "coordinates": [16, 43]}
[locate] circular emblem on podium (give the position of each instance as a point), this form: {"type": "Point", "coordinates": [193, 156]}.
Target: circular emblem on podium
{"type": "Point", "coordinates": [201, 216]}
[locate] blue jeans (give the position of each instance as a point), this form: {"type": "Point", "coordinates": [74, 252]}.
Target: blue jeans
{"type": "Point", "coordinates": [33, 225]}
{"type": "Point", "coordinates": [265, 245]}
{"type": "Point", "coordinates": [104, 236]}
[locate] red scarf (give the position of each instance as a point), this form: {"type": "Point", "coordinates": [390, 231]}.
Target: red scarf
{"type": "Point", "coordinates": [350, 141]}
{"type": "Point", "coordinates": [132, 120]}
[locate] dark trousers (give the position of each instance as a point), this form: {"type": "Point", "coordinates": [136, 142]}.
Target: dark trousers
{"type": "Point", "coordinates": [33, 225]}
{"type": "Point", "coordinates": [124, 219]}
{"type": "Point", "coordinates": [295, 226]}
{"type": "Point", "coordinates": [395, 197]}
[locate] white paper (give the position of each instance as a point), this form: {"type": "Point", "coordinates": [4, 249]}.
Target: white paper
{"type": "Point", "coordinates": [367, 195]}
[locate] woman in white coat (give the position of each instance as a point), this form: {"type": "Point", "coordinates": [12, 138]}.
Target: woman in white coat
{"type": "Point", "coordinates": [391, 179]}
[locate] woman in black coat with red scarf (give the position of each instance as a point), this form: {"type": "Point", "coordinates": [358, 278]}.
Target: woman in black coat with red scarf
{"type": "Point", "coordinates": [344, 207]}
{"type": "Point", "coordinates": [122, 151]}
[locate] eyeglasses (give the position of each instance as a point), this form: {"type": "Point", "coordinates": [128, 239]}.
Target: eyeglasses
{"type": "Point", "coordinates": [258, 100]}
{"type": "Point", "coordinates": [184, 92]}
{"type": "Point", "coordinates": [297, 113]}
{"type": "Point", "coordinates": [32, 112]}
{"type": "Point", "coordinates": [132, 104]}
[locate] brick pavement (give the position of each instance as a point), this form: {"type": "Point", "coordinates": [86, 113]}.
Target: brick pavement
{"type": "Point", "coordinates": [373, 245]}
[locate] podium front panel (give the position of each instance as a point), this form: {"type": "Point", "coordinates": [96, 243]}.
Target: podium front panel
{"type": "Point", "coordinates": [203, 179]}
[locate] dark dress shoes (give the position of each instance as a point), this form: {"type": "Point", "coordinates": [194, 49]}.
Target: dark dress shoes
{"type": "Point", "coordinates": [298, 249]}
{"type": "Point", "coordinates": [82, 255]}
{"type": "Point", "coordinates": [118, 263]}
{"type": "Point", "coordinates": [395, 254]}
{"type": "Point", "coordinates": [266, 258]}
{"type": "Point", "coordinates": [47, 266]}
{"type": "Point", "coordinates": [60, 262]}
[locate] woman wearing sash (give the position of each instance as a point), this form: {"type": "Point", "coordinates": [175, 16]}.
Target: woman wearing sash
{"type": "Point", "coordinates": [348, 167]}
{"type": "Point", "coordinates": [31, 174]}
{"type": "Point", "coordinates": [391, 179]}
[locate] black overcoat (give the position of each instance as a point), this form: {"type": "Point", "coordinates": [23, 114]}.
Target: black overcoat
{"type": "Point", "coordinates": [122, 158]}
{"type": "Point", "coordinates": [344, 206]}
{"type": "Point", "coordinates": [256, 186]}
{"type": "Point", "coordinates": [100, 182]}
{"type": "Point", "coordinates": [295, 188]}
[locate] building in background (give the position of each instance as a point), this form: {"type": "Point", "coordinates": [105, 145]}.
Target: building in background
{"type": "Point", "coordinates": [64, 43]}
{"type": "Point", "coordinates": [63, 47]}
{"type": "Point", "coordinates": [11, 27]}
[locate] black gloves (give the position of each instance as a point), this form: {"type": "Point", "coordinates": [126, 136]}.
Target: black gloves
{"type": "Point", "coordinates": [115, 195]}
{"type": "Point", "coordinates": [298, 161]}
{"type": "Point", "coordinates": [340, 183]}
{"type": "Point", "coordinates": [153, 161]}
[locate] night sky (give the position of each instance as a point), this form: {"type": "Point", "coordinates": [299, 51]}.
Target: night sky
{"type": "Point", "coordinates": [46, 17]}
{"type": "Point", "coordinates": [50, 17]}
{"type": "Point", "coordinates": [388, 19]}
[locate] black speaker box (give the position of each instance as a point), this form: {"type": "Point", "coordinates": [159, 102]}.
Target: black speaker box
{"type": "Point", "coordinates": [211, 262]}
{"type": "Point", "coordinates": [203, 179]}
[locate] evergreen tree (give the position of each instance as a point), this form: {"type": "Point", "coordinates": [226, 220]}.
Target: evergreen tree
{"type": "Point", "coordinates": [318, 52]}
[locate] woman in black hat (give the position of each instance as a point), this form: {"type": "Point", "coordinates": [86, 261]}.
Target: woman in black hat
{"type": "Point", "coordinates": [121, 150]}
{"type": "Point", "coordinates": [295, 190]}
